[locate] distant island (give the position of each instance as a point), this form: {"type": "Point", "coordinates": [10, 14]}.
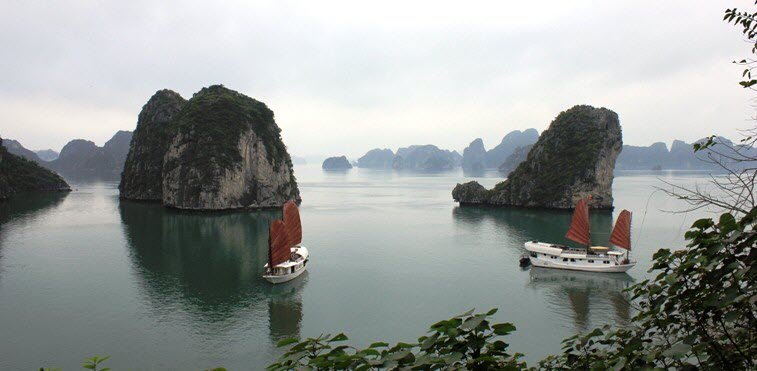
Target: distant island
{"type": "Point", "coordinates": [21, 176]}
{"type": "Point", "coordinates": [336, 163]}
{"type": "Point", "coordinates": [218, 150]}
{"type": "Point", "coordinates": [573, 159]}
{"type": "Point", "coordinates": [422, 158]}
{"type": "Point", "coordinates": [377, 158]}
{"type": "Point", "coordinates": [681, 156]}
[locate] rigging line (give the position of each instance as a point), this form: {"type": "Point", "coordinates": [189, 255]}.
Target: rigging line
{"type": "Point", "coordinates": [644, 217]}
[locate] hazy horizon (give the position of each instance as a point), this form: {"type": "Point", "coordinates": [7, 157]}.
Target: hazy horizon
{"type": "Point", "coordinates": [343, 78]}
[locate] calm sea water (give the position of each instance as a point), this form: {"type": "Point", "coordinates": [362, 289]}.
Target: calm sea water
{"type": "Point", "coordinates": [84, 274]}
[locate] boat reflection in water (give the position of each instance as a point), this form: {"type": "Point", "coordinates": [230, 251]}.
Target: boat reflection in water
{"type": "Point", "coordinates": [209, 266]}
{"type": "Point", "coordinates": [593, 299]}
{"type": "Point", "coordinates": [285, 308]}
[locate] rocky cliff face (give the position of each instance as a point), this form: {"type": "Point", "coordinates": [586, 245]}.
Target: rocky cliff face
{"type": "Point", "coordinates": [474, 156]}
{"type": "Point", "coordinates": [573, 159]}
{"type": "Point", "coordinates": [222, 150]}
{"type": "Point", "coordinates": [377, 159]}
{"type": "Point", "coordinates": [142, 177]}
{"type": "Point", "coordinates": [336, 163]}
{"type": "Point", "coordinates": [19, 175]}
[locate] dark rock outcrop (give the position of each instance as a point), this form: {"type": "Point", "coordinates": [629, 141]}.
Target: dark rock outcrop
{"type": "Point", "coordinates": [336, 163]}
{"type": "Point", "coordinates": [47, 154]}
{"type": "Point", "coordinates": [377, 159]}
{"type": "Point", "coordinates": [516, 158]}
{"type": "Point", "coordinates": [19, 175]}
{"type": "Point", "coordinates": [142, 177]}
{"type": "Point", "coordinates": [425, 158]}
{"type": "Point", "coordinates": [220, 150]}
{"type": "Point", "coordinates": [474, 156]}
{"type": "Point", "coordinates": [514, 139]}
{"type": "Point", "coordinates": [573, 159]}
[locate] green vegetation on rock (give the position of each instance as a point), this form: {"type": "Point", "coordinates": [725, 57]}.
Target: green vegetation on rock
{"type": "Point", "coordinates": [215, 118]}
{"type": "Point", "coordinates": [19, 175]}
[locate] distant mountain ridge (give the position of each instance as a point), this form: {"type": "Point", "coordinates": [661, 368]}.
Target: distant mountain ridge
{"type": "Point", "coordinates": [47, 154]}
{"type": "Point", "coordinates": [681, 156]}
{"type": "Point", "coordinates": [477, 158]}
{"type": "Point", "coordinates": [82, 158]}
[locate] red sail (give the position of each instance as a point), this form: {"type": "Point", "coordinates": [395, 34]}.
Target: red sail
{"type": "Point", "coordinates": [278, 243]}
{"type": "Point", "coordinates": [293, 224]}
{"type": "Point", "coordinates": [621, 234]}
{"type": "Point", "coordinates": [579, 225]}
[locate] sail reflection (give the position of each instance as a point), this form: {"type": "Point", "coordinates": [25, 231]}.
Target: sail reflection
{"type": "Point", "coordinates": [209, 266]}
{"type": "Point", "coordinates": [593, 298]}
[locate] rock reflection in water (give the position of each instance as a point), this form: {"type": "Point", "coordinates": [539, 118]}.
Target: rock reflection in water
{"type": "Point", "coordinates": [584, 296]}
{"type": "Point", "coordinates": [209, 265]}
{"type": "Point", "coordinates": [22, 207]}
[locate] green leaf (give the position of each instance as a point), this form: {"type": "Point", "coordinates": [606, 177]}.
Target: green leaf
{"type": "Point", "coordinates": [727, 223]}
{"type": "Point", "coordinates": [379, 344]}
{"type": "Point", "coordinates": [286, 342]}
{"type": "Point", "coordinates": [503, 328]}
{"type": "Point", "coordinates": [472, 322]}
{"type": "Point", "coordinates": [677, 351]}
{"type": "Point", "coordinates": [339, 337]}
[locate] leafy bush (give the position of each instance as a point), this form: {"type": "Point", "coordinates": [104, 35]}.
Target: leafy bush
{"type": "Point", "coordinates": [465, 342]}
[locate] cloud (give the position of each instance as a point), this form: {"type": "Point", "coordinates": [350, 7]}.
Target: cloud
{"type": "Point", "coordinates": [344, 77]}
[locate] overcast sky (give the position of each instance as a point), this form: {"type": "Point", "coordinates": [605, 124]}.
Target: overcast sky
{"type": "Point", "coordinates": [343, 78]}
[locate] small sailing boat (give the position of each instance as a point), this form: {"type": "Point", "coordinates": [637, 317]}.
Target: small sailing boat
{"type": "Point", "coordinates": [589, 258]}
{"type": "Point", "coordinates": [287, 259]}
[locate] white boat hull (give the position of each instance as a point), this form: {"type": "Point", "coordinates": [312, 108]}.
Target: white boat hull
{"type": "Point", "coordinates": [536, 262]}
{"type": "Point", "coordinates": [560, 257]}
{"type": "Point", "coordinates": [285, 278]}
{"type": "Point", "coordinates": [293, 268]}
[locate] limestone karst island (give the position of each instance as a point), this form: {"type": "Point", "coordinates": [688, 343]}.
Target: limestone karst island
{"type": "Point", "coordinates": [218, 150]}
{"type": "Point", "coordinates": [380, 186]}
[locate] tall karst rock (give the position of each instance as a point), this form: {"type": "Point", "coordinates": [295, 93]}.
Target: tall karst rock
{"type": "Point", "coordinates": [573, 159]}
{"type": "Point", "coordinates": [142, 177]}
{"type": "Point", "coordinates": [219, 150]}
{"type": "Point", "coordinates": [474, 156]}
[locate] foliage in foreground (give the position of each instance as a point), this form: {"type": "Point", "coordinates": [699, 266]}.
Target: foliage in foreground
{"type": "Point", "coordinates": [465, 342]}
